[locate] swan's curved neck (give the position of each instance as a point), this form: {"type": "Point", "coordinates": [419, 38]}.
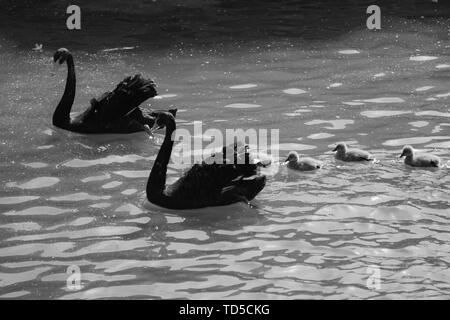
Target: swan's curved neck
{"type": "Point", "coordinates": [156, 183]}
{"type": "Point", "coordinates": [61, 116]}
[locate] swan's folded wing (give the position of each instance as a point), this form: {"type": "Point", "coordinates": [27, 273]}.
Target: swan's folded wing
{"type": "Point", "coordinates": [206, 184]}
{"type": "Point", "coordinates": [360, 155]}
{"type": "Point", "coordinates": [129, 94]}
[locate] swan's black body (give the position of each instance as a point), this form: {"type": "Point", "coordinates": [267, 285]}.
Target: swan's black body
{"type": "Point", "coordinates": [204, 185]}
{"type": "Point", "coordinates": [114, 112]}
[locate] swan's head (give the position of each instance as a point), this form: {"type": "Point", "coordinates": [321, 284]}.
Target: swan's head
{"type": "Point", "coordinates": [156, 126]}
{"type": "Point", "coordinates": [340, 147]}
{"type": "Point", "coordinates": [173, 112]}
{"type": "Point", "coordinates": [164, 119]}
{"type": "Point", "coordinates": [407, 151]}
{"type": "Point", "coordinates": [61, 55]}
{"type": "Point", "coordinates": [292, 157]}
{"type": "Point", "coordinates": [156, 113]}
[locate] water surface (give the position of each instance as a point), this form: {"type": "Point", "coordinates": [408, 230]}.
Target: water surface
{"type": "Point", "coordinates": [68, 199]}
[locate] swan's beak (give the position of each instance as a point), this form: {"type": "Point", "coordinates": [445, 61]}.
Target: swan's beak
{"type": "Point", "coordinates": [148, 130]}
{"type": "Point", "coordinates": [156, 127]}
{"type": "Point", "coordinates": [402, 155]}
{"type": "Point", "coordinates": [153, 129]}
{"type": "Point", "coordinates": [56, 66]}
{"type": "Point", "coordinates": [335, 149]}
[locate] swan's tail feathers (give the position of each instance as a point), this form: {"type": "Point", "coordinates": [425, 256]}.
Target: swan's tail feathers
{"type": "Point", "coordinates": [253, 185]}
{"type": "Point", "coordinates": [128, 95]}
{"type": "Point", "coordinates": [233, 194]}
{"type": "Point", "coordinates": [243, 188]}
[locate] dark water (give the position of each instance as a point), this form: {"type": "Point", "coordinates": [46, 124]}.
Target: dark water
{"type": "Point", "coordinates": [309, 69]}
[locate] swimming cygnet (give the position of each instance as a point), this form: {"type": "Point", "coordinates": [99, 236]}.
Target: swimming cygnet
{"type": "Point", "coordinates": [345, 154]}
{"type": "Point", "coordinates": [302, 164]}
{"type": "Point", "coordinates": [419, 159]}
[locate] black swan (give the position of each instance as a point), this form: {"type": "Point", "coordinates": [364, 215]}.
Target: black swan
{"type": "Point", "coordinates": [203, 185]}
{"type": "Point", "coordinates": [114, 112]}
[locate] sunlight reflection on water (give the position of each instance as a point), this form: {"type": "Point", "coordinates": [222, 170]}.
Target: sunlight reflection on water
{"type": "Point", "coordinates": [68, 199]}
